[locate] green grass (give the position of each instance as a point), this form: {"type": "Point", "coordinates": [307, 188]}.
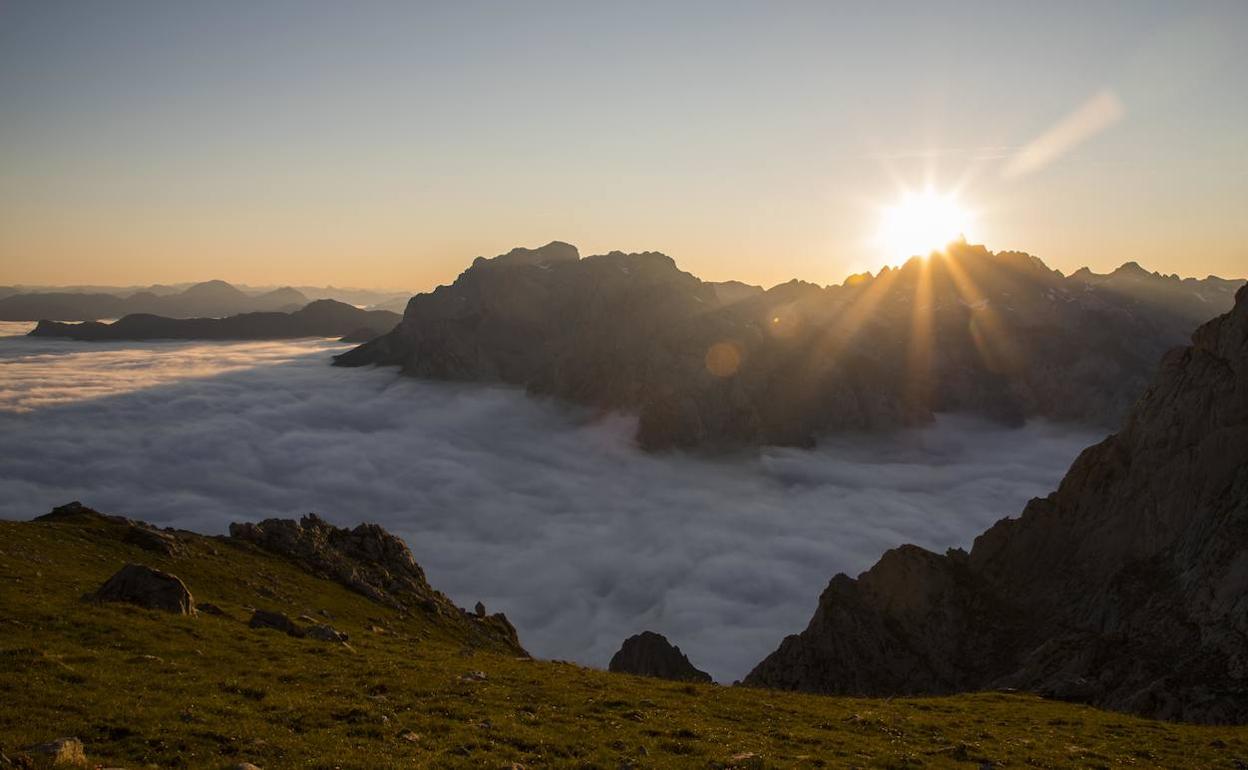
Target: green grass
{"type": "Point", "coordinates": [142, 688]}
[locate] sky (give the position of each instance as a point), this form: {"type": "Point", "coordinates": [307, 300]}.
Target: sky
{"type": "Point", "coordinates": [387, 144]}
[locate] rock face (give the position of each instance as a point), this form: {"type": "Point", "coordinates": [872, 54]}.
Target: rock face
{"type": "Point", "coordinates": [1125, 588]}
{"type": "Point", "coordinates": [371, 561]}
{"type": "Point", "coordinates": [703, 364]}
{"type": "Point", "coordinates": [147, 587]}
{"type": "Point", "coordinates": [650, 654]}
{"type": "Point", "coordinates": [322, 318]}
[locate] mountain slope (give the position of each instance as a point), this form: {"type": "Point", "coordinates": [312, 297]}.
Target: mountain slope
{"type": "Point", "coordinates": [966, 330]}
{"type": "Point", "coordinates": [1125, 588]}
{"type": "Point", "coordinates": [322, 318]}
{"type": "Point", "coordinates": [424, 689]}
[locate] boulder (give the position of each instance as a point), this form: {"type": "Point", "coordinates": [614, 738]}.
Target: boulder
{"type": "Point", "coordinates": [326, 633]}
{"type": "Point", "coordinates": [650, 654]}
{"type": "Point", "coordinates": [152, 540]}
{"type": "Point", "coordinates": [62, 752]}
{"type": "Point", "coordinates": [275, 620]}
{"type": "Point", "coordinates": [147, 587]}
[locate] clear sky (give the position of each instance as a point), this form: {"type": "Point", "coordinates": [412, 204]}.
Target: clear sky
{"type": "Point", "coordinates": [386, 144]}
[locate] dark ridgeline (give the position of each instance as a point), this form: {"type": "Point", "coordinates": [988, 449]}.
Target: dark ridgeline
{"type": "Point", "coordinates": [1125, 588]}
{"type": "Point", "coordinates": [322, 318]}
{"type": "Point", "coordinates": [708, 364]}
{"type": "Point", "coordinates": [210, 299]}
{"type": "Point", "coordinates": [650, 654]}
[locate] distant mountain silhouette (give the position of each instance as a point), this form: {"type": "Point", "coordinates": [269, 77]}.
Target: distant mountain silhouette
{"type": "Point", "coordinates": [966, 330]}
{"type": "Point", "coordinates": [1125, 588]}
{"type": "Point", "coordinates": [210, 299]}
{"type": "Point", "coordinates": [322, 318]}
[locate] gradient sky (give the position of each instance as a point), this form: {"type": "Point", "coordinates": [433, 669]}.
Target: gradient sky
{"type": "Point", "coordinates": [386, 144]}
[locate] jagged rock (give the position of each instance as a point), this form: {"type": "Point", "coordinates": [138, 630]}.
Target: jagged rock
{"type": "Point", "coordinates": [650, 654]}
{"type": "Point", "coordinates": [153, 540]}
{"type": "Point", "coordinates": [479, 609]}
{"type": "Point", "coordinates": [1124, 588]}
{"type": "Point", "coordinates": [147, 587]}
{"type": "Point", "coordinates": [277, 621]}
{"type": "Point", "coordinates": [368, 560]}
{"type": "Point", "coordinates": [326, 633]}
{"type": "Point", "coordinates": [716, 364]}
{"type": "Point", "coordinates": [62, 752]}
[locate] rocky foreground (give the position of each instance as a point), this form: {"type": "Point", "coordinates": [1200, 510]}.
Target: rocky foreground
{"type": "Point", "coordinates": [712, 364]}
{"type": "Point", "coordinates": [1126, 588]}
{"type": "Point", "coordinates": [299, 644]}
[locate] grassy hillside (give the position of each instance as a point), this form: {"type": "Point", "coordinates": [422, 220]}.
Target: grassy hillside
{"type": "Point", "coordinates": [144, 688]}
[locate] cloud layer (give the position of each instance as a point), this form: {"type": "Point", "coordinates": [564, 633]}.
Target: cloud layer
{"type": "Point", "coordinates": [542, 512]}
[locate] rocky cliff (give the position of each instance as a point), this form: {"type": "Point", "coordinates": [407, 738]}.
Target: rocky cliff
{"type": "Point", "coordinates": [709, 364]}
{"type": "Point", "coordinates": [1126, 588]}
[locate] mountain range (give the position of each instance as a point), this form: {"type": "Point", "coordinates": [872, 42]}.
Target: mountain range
{"type": "Point", "coordinates": [322, 318]}
{"type": "Point", "coordinates": [210, 299]}
{"type": "Point", "coordinates": [726, 364]}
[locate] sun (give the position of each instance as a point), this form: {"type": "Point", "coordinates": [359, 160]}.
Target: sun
{"type": "Point", "coordinates": [921, 223]}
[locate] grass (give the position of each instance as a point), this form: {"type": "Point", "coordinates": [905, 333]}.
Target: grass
{"type": "Point", "coordinates": [147, 689]}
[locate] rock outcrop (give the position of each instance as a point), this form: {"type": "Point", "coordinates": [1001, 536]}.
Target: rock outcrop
{"type": "Point", "coordinates": [707, 364]}
{"type": "Point", "coordinates": [146, 587]}
{"type": "Point", "coordinates": [1125, 588]}
{"type": "Point", "coordinates": [322, 318]}
{"type": "Point", "coordinates": [370, 561]}
{"type": "Point", "coordinates": [650, 654]}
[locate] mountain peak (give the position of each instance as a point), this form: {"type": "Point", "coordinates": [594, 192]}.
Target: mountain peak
{"type": "Point", "coordinates": [213, 288]}
{"type": "Point", "coordinates": [551, 253]}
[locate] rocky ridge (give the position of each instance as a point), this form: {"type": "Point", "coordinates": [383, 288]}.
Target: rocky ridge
{"type": "Point", "coordinates": [368, 560]}
{"type": "Point", "coordinates": [211, 299]}
{"type": "Point", "coordinates": [322, 318]}
{"type": "Point", "coordinates": [704, 364]}
{"type": "Point", "coordinates": [1125, 588]}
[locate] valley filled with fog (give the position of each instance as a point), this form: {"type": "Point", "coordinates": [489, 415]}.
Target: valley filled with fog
{"type": "Point", "coordinates": [548, 514]}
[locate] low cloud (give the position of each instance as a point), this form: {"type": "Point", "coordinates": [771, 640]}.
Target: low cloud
{"type": "Point", "coordinates": [545, 513]}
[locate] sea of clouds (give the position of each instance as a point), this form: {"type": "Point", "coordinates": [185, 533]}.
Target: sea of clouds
{"type": "Point", "coordinates": [546, 513]}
